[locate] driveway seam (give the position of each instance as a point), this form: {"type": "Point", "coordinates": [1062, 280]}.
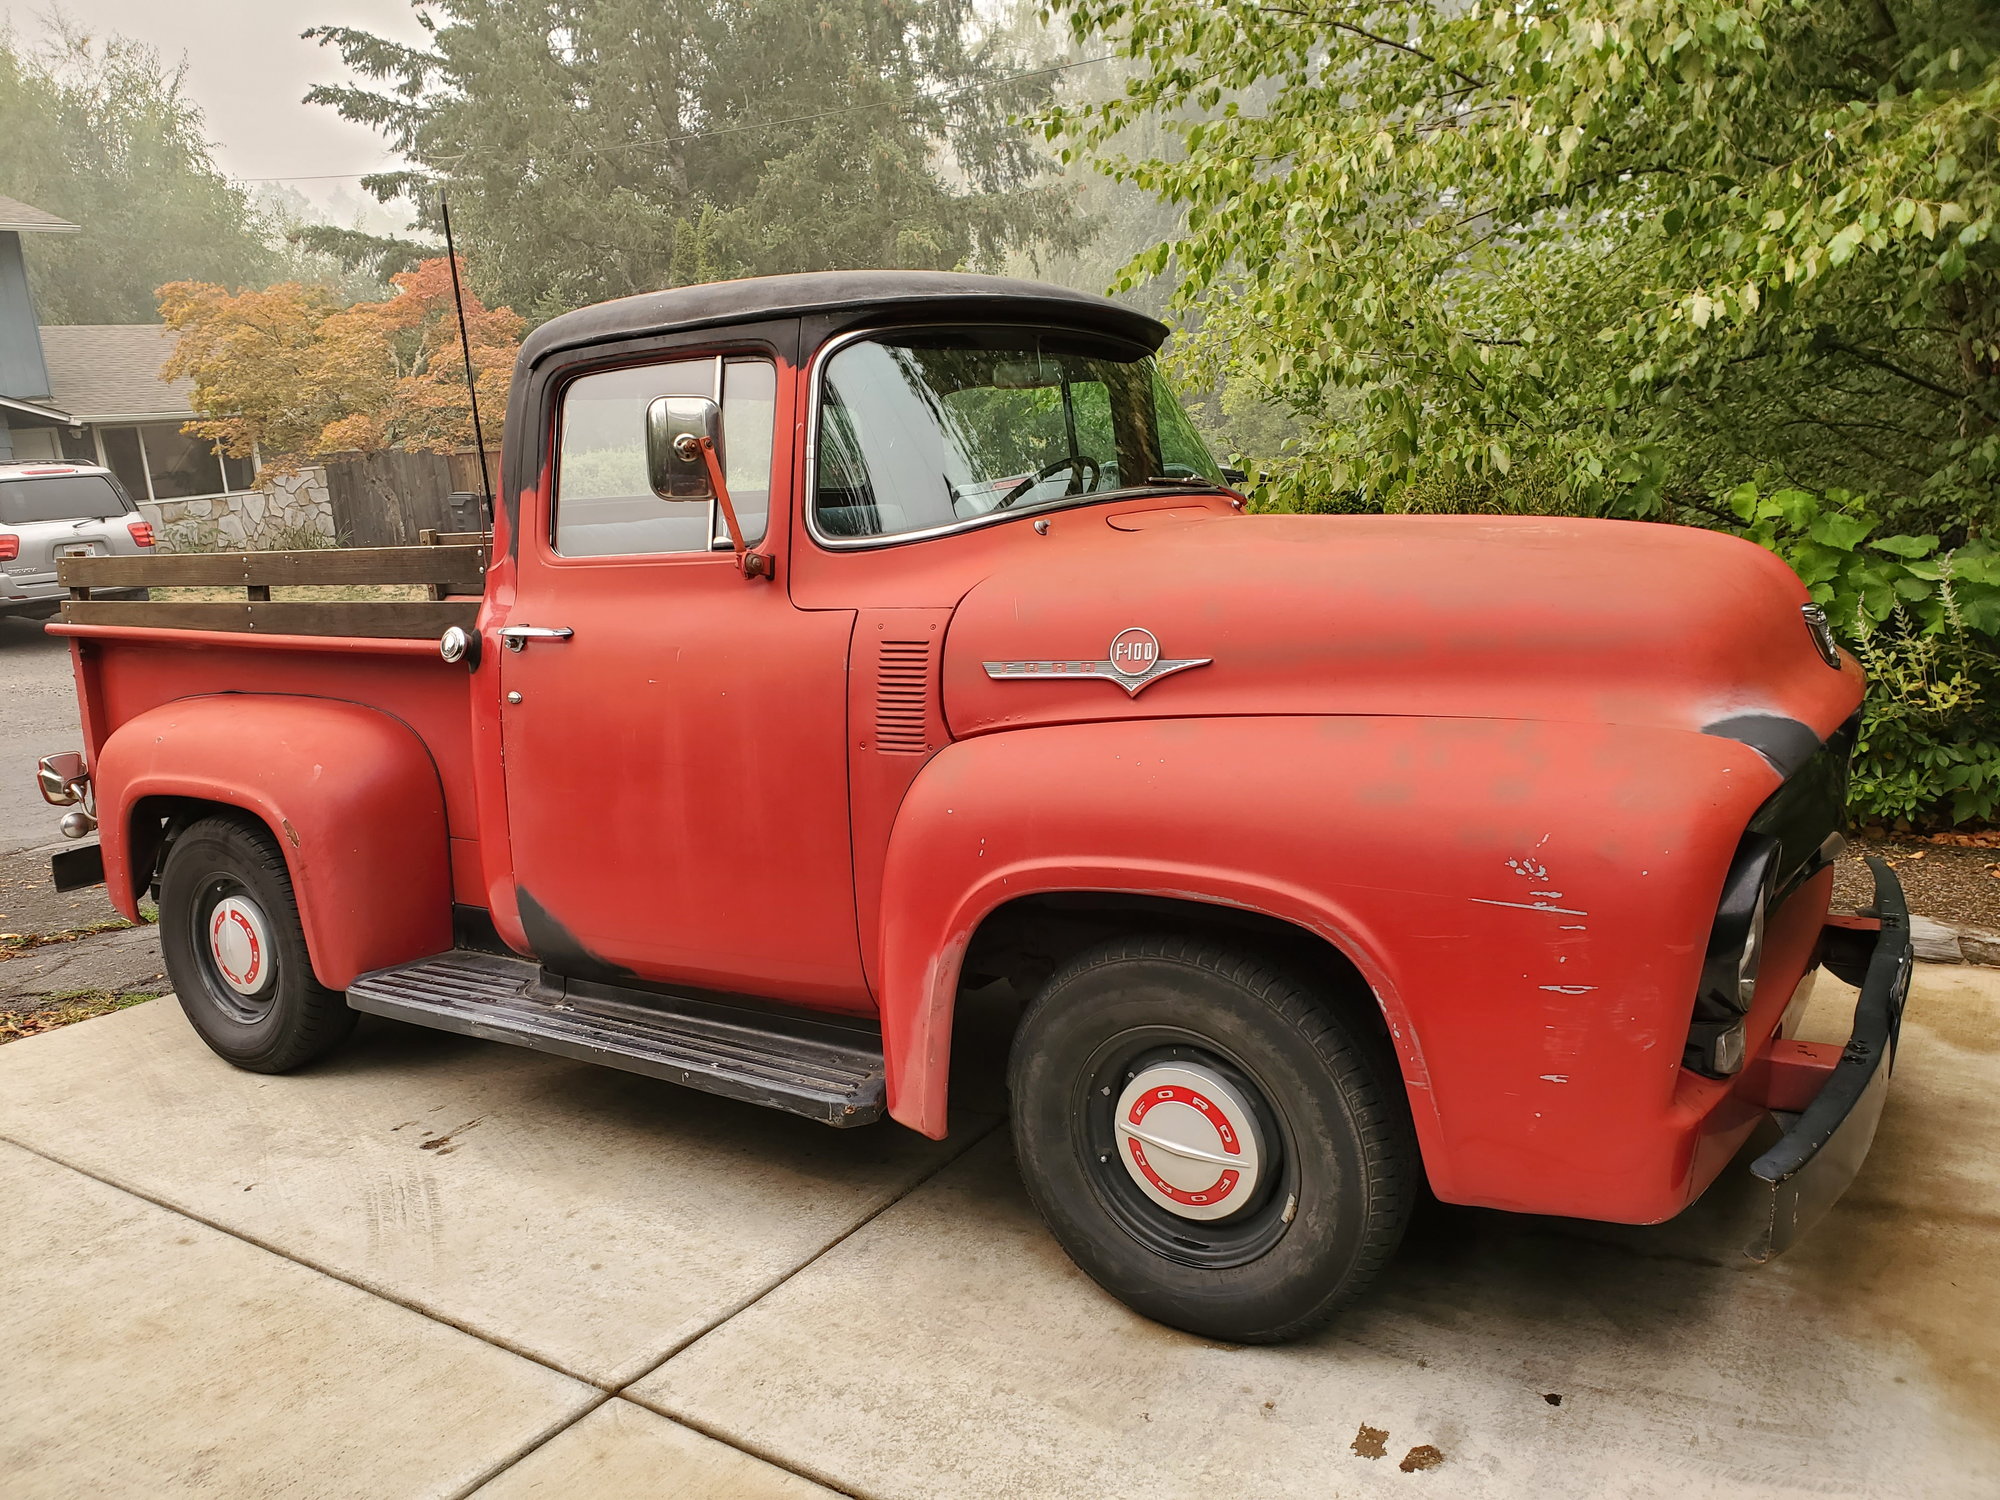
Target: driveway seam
{"type": "Point", "coordinates": [299, 1260]}
{"type": "Point", "coordinates": [763, 1455]}
{"type": "Point", "coordinates": [605, 1393]}
{"type": "Point", "coordinates": [810, 1261]}
{"type": "Point", "coordinates": [534, 1444]}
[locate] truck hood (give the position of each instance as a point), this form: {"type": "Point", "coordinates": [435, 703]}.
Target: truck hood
{"type": "Point", "coordinates": [1435, 616]}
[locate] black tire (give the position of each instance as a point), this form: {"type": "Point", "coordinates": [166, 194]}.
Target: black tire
{"type": "Point", "coordinates": [1343, 1173]}
{"type": "Point", "coordinates": [287, 1019]}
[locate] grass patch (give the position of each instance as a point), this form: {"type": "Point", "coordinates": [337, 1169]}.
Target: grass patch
{"type": "Point", "coordinates": [60, 1010]}
{"type": "Point", "coordinates": [350, 593]}
{"type": "Point", "coordinates": [19, 942]}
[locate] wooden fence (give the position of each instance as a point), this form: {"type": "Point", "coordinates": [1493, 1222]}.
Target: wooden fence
{"type": "Point", "coordinates": [387, 499]}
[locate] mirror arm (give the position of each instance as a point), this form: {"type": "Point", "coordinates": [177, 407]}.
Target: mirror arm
{"type": "Point", "coordinates": [750, 564]}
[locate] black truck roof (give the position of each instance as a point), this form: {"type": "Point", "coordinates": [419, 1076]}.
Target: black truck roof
{"type": "Point", "coordinates": [934, 294]}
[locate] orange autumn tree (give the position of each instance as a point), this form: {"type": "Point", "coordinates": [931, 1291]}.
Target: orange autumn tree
{"type": "Point", "coordinates": [289, 373]}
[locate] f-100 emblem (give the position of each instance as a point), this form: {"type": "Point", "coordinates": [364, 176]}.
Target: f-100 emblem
{"type": "Point", "coordinates": [1134, 663]}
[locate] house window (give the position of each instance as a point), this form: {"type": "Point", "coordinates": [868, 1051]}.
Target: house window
{"type": "Point", "coordinates": [157, 461]}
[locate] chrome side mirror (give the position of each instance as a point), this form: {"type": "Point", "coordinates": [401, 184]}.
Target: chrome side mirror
{"type": "Point", "coordinates": [675, 429]}
{"type": "Point", "coordinates": [684, 462]}
{"type": "Point", "coordinates": [61, 779]}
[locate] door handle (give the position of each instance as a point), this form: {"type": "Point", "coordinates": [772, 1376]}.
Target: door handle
{"type": "Point", "coordinates": [518, 636]}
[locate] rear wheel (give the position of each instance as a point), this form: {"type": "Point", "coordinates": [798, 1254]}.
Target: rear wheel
{"type": "Point", "coordinates": [230, 934]}
{"type": "Point", "coordinates": [1210, 1140]}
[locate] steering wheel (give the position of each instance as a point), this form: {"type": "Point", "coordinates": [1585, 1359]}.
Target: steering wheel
{"type": "Point", "coordinates": [1078, 485]}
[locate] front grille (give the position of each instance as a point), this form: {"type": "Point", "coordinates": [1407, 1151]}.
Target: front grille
{"type": "Point", "coordinates": [1811, 805]}
{"type": "Point", "coordinates": [1788, 841]}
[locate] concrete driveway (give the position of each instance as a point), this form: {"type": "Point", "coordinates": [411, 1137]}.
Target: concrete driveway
{"type": "Point", "coordinates": [441, 1267]}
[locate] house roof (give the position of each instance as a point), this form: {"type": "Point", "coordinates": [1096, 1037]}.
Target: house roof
{"type": "Point", "coordinates": [19, 216]}
{"type": "Point", "coordinates": [101, 372]}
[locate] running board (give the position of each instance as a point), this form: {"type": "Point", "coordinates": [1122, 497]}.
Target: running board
{"type": "Point", "coordinates": [823, 1070]}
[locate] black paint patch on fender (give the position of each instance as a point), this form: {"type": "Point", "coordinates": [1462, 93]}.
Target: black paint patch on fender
{"type": "Point", "coordinates": [1785, 743]}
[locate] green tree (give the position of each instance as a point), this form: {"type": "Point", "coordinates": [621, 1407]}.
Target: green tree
{"type": "Point", "coordinates": [101, 133]}
{"type": "Point", "coordinates": [1614, 257]}
{"type": "Point", "coordinates": [594, 148]}
{"type": "Point", "coordinates": [1113, 221]}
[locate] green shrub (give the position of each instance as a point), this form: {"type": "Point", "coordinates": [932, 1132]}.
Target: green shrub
{"type": "Point", "coordinates": [1925, 624]}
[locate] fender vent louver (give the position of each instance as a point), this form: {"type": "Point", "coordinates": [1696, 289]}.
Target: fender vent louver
{"type": "Point", "coordinates": [902, 697]}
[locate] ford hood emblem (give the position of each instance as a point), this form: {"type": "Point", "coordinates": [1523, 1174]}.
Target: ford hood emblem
{"type": "Point", "coordinates": [1134, 662]}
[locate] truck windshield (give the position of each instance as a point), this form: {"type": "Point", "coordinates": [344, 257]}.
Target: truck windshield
{"type": "Point", "coordinates": [920, 432]}
{"type": "Point", "coordinates": [59, 497]}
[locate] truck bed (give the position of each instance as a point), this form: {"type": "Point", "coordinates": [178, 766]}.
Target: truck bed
{"type": "Point", "coordinates": [131, 656]}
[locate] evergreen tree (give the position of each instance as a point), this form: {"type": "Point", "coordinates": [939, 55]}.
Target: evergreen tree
{"type": "Point", "coordinates": [595, 148]}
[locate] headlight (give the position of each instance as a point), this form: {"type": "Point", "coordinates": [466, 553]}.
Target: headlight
{"type": "Point", "coordinates": [1716, 1043]}
{"type": "Point", "coordinates": [1752, 953]}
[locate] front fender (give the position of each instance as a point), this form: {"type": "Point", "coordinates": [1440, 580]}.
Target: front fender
{"type": "Point", "coordinates": [350, 794]}
{"type": "Point", "coordinates": [1528, 901]}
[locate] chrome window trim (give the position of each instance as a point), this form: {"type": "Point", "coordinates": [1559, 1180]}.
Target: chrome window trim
{"type": "Point", "coordinates": [816, 382]}
{"type": "Point", "coordinates": [718, 535]}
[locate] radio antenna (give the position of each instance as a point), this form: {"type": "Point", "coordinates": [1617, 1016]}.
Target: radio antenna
{"type": "Point", "coordinates": [465, 348]}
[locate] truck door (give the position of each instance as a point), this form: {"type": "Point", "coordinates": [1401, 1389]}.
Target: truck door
{"type": "Point", "coordinates": [675, 765]}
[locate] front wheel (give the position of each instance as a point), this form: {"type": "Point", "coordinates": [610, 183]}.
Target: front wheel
{"type": "Point", "coordinates": [230, 935]}
{"type": "Point", "coordinates": [1208, 1139]}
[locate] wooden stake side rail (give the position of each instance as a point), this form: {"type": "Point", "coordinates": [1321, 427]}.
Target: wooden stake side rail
{"type": "Point", "coordinates": [455, 568]}
{"type": "Point", "coordinates": [465, 565]}
{"type": "Point", "coordinates": [405, 619]}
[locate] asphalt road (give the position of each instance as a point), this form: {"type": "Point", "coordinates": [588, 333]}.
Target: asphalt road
{"type": "Point", "coordinates": [37, 717]}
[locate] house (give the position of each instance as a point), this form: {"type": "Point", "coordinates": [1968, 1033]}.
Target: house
{"type": "Point", "coordinates": [92, 393]}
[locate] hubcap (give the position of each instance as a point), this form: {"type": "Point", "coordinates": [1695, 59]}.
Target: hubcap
{"type": "Point", "coordinates": [239, 943]}
{"type": "Point", "coordinates": [1189, 1140]}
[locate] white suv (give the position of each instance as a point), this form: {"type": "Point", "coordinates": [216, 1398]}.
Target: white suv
{"type": "Point", "coordinates": [55, 510]}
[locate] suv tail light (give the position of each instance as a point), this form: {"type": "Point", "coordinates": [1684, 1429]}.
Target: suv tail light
{"type": "Point", "coordinates": [10, 547]}
{"type": "Point", "coordinates": [142, 532]}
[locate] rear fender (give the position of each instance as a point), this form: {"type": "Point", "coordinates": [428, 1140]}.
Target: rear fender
{"type": "Point", "coordinates": [350, 794]}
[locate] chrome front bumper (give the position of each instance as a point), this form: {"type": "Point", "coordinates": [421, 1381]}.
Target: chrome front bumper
{"type": "Point", "coordinates": [1824, 1144]}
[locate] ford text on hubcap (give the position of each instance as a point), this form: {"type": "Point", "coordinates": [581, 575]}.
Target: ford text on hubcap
{"type": "Point", "coordinates": [1191, 1141]}
{"type": "Point", "coordinates": [239, 944]}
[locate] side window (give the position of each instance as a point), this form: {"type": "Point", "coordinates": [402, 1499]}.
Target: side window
{"type": "Point", "coordinates": [604, 501]}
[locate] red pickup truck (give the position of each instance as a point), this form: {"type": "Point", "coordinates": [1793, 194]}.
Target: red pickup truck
{"type": "Point", "coordinates": [849, 641]}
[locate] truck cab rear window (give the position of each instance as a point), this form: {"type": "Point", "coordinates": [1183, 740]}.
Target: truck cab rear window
{"type": "Point", "coordinates": [605, 505]}
{"type": "Point", "coordinates": [59, 497]}
{"type": "Point", "coordinates": [923, 432]}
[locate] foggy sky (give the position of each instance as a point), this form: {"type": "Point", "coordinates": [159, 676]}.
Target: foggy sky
{"type": "Point", "coordinates": [248, 70]}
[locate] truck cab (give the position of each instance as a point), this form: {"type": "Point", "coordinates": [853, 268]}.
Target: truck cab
{"type": "Point", "coordinates": [847, 642]}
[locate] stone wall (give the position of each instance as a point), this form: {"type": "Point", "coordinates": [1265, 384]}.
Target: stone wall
{"type": "Point", "coordinates": [288, 510]}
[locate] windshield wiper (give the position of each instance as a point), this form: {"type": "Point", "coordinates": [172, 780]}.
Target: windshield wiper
{"type": "Point", "coordinates": [1191, 481]}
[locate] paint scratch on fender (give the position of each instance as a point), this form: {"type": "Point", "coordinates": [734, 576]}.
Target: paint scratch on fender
{"type": "Point", "coordinates": [1530, 906]}
{"type": "Point", "coordinates": [1569, 989]}
{"type": "Point", "coordinates": [1555, 1078]}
